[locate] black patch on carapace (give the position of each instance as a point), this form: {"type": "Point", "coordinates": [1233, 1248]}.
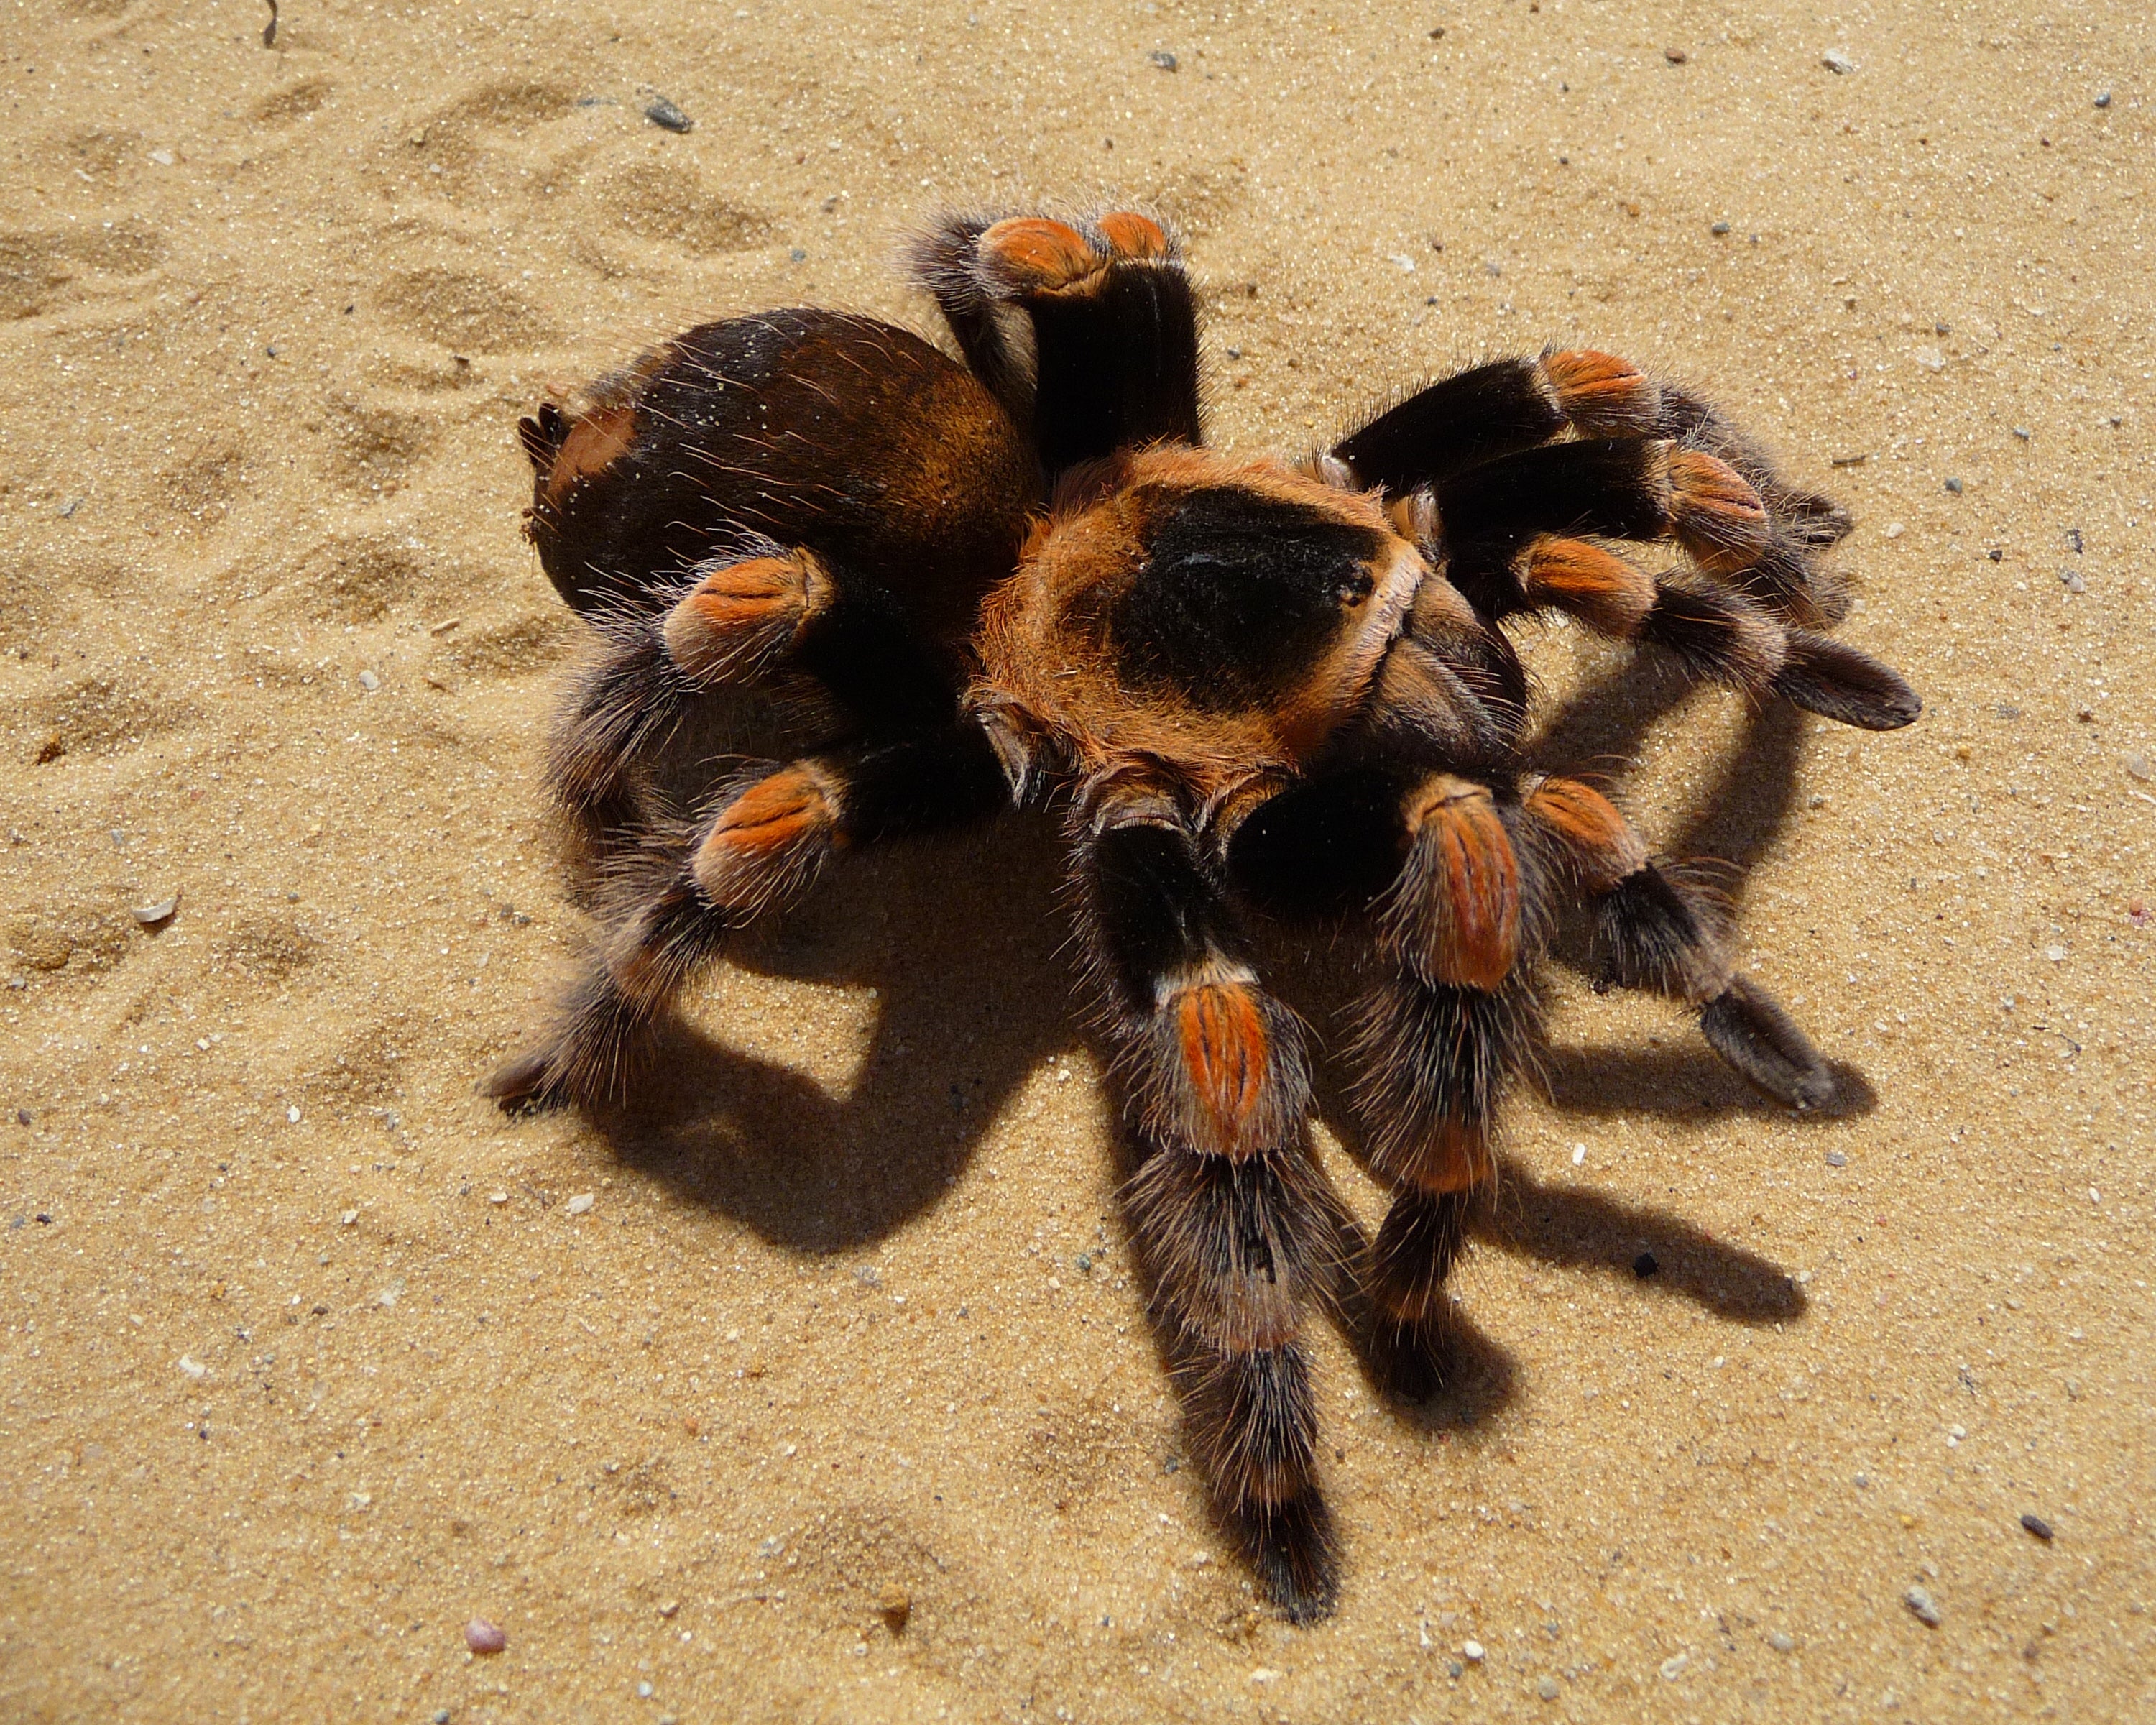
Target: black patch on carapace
{"type": "Point", "coordinates": [1450, 427]}
{"type": "Point", "coordinates": [1607, 485]}
{"type": "Point", "coordinates": [1115, 368]}
{"type": "Point", "coordinates": [1238, 596]}
{"type": "Point", "coordinates": [1158, 912]}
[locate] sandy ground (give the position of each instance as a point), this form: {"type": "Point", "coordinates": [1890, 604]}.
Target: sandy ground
{"type": "Point", "coordinates": [310, 1357]}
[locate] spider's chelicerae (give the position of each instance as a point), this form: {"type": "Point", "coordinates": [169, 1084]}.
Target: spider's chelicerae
{"type": "Point", "coordinates": [1249, 687]}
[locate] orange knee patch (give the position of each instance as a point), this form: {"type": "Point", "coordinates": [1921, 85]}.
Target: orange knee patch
{"type": "Point", "coordinates": [1033, 255]}
{"type": "Point", "coordinates": [1131, 235]}
{"type": "Point", "coordinates": [744, 611]}
{"type": "Point", "coordinates": [1604, 396]}
{"type": "Point", "coordinates": [1455, 1157]}
{"type": "Point", "coordinates": [767, 839]}
{"type": "Point", "coordinates": [1461, 906]}
{"type": "Point", "coordinates": [1226, 1054]}
{"type": "Point", "coordinates": [1718, 516]}
{"type": "Point", "coordinates": [1602, 590]}
{"type": "Point", "coordinates": [1596, 840]}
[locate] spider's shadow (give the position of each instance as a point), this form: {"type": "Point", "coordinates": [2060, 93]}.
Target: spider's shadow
{"type": "Point", "coordinates": [963, 939]}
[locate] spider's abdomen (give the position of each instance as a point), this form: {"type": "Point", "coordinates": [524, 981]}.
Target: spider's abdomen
{"type": "Point", "coordinates": [840, 433]}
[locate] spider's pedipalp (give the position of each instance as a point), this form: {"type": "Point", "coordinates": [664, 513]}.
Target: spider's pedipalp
{"type": "Point", "coordinates": [1228, 1211]}
{"type": "Point", "coordinates": [1086, 330]}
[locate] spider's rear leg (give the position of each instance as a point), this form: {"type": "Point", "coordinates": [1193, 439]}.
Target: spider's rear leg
{"type": "Point", "coordinates": [1664, 929]}
{"type": "Point", "coordinates": [767, 608]}
{"type": "Point", "coordinates": [757, 850]}
{"type": "Point", "coordinates": [1229, 1211]}
{"type": "Point", "coordinates": [1087, 330]}
{"type": "Point", "coordinates": [1715, 633]}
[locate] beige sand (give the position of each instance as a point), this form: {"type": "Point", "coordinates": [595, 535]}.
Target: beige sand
{"type": "Point", "coordinates": [310, 1357]}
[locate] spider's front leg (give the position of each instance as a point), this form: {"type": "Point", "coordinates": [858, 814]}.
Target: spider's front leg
{"type": "Point", "coordinates": [1483, 436]}
{"type": "Point", "coordinates": [1229, 1212]}
{"type": "Point", "coordinates": [759, 849]}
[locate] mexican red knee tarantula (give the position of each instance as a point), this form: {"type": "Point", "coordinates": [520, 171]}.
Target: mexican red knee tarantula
{"type": "Point", "coordinates": [1247, 685]}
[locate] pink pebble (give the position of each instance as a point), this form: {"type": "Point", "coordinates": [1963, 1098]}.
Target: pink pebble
{"type": "Point", "coordinates": [483, 1637]}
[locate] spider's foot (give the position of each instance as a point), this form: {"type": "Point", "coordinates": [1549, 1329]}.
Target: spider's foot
{"type": "Point", "coordinates": [528, 1084]}
{"type": "Point", "coordinates": [1407, 1356]}
{"type": "Point", "coordinates": [1825, 677]}
{"type": "Point", "coordinates": [741, 614]}
{"type": "Point", "coordinates": [1028, 255]}
{"type": "Point", "coordinates": [1291, 1546]}
{"type": "Point", "coordinates": [1748, 1027]}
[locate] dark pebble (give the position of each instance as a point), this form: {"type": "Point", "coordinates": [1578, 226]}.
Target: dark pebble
{"type": "Point", "coordinates": [1719, 228]}
{"type": "Point", "coordinates": [1645, 1266]}
{"type": "Point", "coordinates": [1161, 58]}
{"type": "Point", "coordinates": [1954, 486]}
{"type": "Point", "coordinates": [1675, 56]}
{"type": "Point", "coordinates": [42, 1217]}
{"type": "Point", "coordinates": [2104, 100]}
{"type": "Point", "coordinates": [661, 112]}
{"type": "Point", "coordinates": [22, 1116]}
{"type": "Point", "coordinates": [2038, 1526]}
{"type": "Point", "coordinates": [1996, 555]}
{"type": "Point", "coordinates": [798, 256]}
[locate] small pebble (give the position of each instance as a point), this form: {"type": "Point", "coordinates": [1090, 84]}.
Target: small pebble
{"type": "Point", "coordinates": [1547, 1689]}
{"type": "Point", "coordinates": [894, 1606]}
{"type": "Point", "coordinates": [669, 1608]}
{"type": "Point", "coordinates": [2103, 101]}
{"type": "Point", "coordinates": [150, 916]}
{"type": "Point", "coordinates": [2021, 432]}
{"type": "Point", "coordinates": [1954, 486]}
{"type": "Point", "coordinates": [482, 1637]}
{"type": "Point", "coordinates": [1645, 1266]}
{"type": "Point", "coordinates": [1161, 58]}
{"type": "Point", "coordinates": [1996, 555]}
{"type": "Point", "coordinates": [1673, 1666]}
{"type": "Point", "coordinates": [441, 1716]}
{"type": "Point", "coordinates": [1835, 1158]}
{"type": "Point", "coordinates": [2070, 579]}
{"type": "Point", "coordinates": [1676, 57]}
{"type": "Point", "coordinates": [1782, 1642]}
{"type": "Point", "coordinates": [369, 682]}
{"type": "Point", "coordinates": [2137, 764]}
{"type": "Point", "coordinates": [1472, 1651]}
{"type": "Point", "coordinates": [581, 1202]}
{"type": "Point", "coordinates": [661, 112]}
{"type": "Point", "coordinates": [2038, 1526]}
{"type": "Point", "coordinates": [1455, 1668]}
{"type": "Point", "coordinates": [1719, 228]}
{"type": "Point", "coordinates": [1894, 530]}
{"type": "Point", "coordinates": [643, 1691]}
{"type": "Point", "coordinates": [292, 1114]}
{"type": "Point", "coordinates": [1836, 62]}
{"type": "Point", "coordinates": [1922, 1604]}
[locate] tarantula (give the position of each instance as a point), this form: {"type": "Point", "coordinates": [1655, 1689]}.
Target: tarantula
{"type": "Point", "coordinates": [1247, 686]}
